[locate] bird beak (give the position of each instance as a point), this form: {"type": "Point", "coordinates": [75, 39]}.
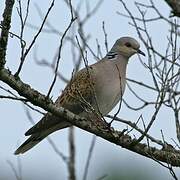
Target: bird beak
{"type": "Point", "coordinates": [140, 52]}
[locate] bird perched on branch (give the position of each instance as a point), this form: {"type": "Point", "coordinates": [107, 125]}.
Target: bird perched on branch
{"type": "Point", "coordinates": [94, 90]}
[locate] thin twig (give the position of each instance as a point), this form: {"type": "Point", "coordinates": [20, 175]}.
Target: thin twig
{"type": "Point", "coordinates": [72, 155]}
{"type": "Point", "coordinates": [90, 153]}
{"type": "Point", "coordinates": [60, 49]}
{"type": "Point", "coordinates": [34, 40]}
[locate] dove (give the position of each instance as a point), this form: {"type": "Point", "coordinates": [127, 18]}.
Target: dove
{"type": "Point", "coordinates": [95, 89]}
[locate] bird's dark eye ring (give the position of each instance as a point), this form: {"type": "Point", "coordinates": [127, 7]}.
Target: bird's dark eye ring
{"type": "Point", "coordinates": [128, 44]}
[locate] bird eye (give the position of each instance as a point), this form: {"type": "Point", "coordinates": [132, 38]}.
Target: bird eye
{"type": "Point", "coordinates": [128, 44]}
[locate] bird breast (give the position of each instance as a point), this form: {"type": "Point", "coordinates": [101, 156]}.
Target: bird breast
{"type": "Point", "coordinates": [109, 86]}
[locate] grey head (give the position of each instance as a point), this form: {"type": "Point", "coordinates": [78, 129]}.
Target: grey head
{"type": "Point", "coordinates": [127, 46]}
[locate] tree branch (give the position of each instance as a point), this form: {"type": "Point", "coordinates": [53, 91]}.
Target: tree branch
{"type": "Point", "coordinates": [171, 156]}
{"type": "Point", "coordinates": [168, 155]}
{"type": "Point", "coordinates": [5, 30]}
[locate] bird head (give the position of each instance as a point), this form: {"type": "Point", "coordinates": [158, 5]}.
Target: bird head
{"type": "Point", "coordinates": [127, 46]}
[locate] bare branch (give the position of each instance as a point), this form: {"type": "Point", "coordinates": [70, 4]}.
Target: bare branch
{"type": "Point", "coordinates": [17, 172]}
{"type": "Point", "coordinates": [5, 30]}
{"type": "Point", "coordinates": [91, 148]}
{"type": "Point", "coordinates": [134, 126]}
{"type": "Point", "coordinates": [34, 40]}
{"type": "Point", "coordinates": [60, 48]}
{"type": "Point", "coordinates": [71, 161]}
{"type": "Point", "coordinates": [110, 135]}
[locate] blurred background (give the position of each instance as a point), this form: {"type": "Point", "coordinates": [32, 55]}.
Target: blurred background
{"type": "Point", "coordinates": [108, 161]}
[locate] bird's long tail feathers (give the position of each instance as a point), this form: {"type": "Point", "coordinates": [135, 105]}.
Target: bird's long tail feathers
{"type": "Point", "coordinates": [32, 141]}
{"type": "Point", "coordinates": [47, 125]}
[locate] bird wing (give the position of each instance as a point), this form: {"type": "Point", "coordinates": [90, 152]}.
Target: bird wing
{"type": "Point", "coordinates": [76, 97]}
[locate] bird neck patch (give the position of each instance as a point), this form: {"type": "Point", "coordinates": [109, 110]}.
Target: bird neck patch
{"type": "Point", "coordinates": [111, 55]}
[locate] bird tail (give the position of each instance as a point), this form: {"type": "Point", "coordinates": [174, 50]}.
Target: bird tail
{"type": "Point", "coordinates": [47, 125]}
{"type": "Point", "coordinates": [31, 142]}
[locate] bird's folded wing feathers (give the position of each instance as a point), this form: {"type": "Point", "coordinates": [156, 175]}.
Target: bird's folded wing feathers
{"type": "Point", "coordinates": [76, 96]}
